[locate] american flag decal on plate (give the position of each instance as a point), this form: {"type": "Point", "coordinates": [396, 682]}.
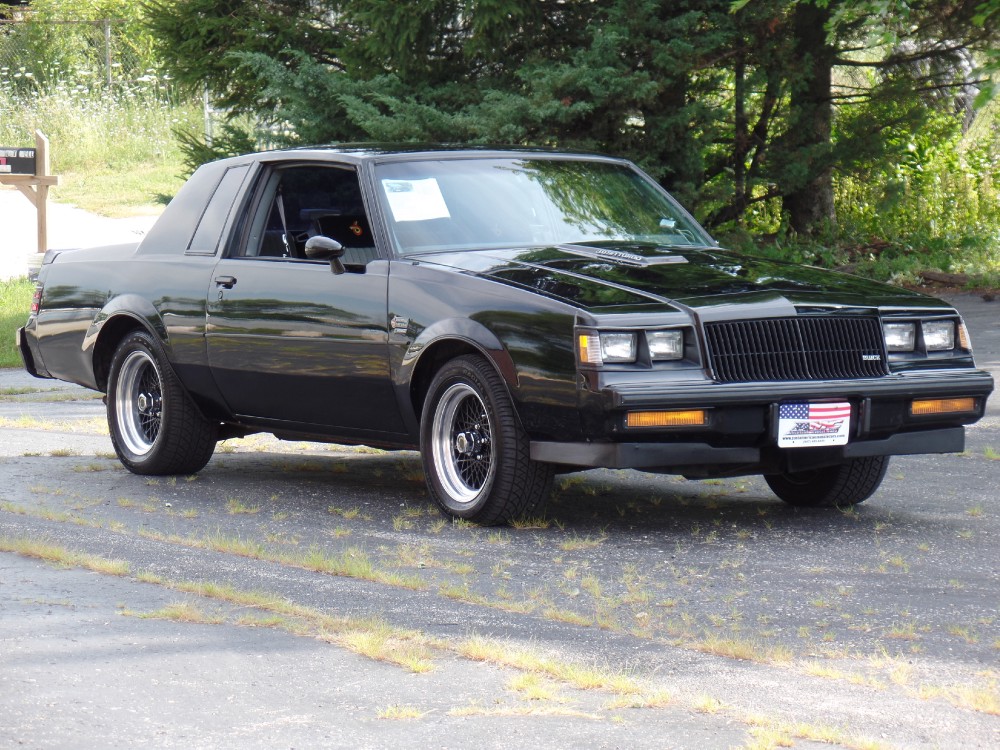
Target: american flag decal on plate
{"type": "Point", "coordinates": [803, 425]}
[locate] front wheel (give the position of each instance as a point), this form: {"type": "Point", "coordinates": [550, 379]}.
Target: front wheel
{"type": "Point", "coordinates": [476, 455]}
{"type": "Point", "coordinates": [155, 427]}
{"type": "Point", "coordinates": [843, 485]}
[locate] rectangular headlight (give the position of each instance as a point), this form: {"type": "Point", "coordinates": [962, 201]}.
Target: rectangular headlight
{"type": "Point", "coordinates": [618, 347]}
{"type": "Point", "coordinates": [665, 344]}
{"type": "Point", "coordinates": [900, 337]}
{"type": "Point", "coordinates": [939, 335]}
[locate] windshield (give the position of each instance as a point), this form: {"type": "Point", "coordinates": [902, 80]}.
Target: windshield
{"type": "Point", "coordinates": [508, 202]}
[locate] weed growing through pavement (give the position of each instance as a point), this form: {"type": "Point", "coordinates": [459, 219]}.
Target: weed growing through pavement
{"type": "Point", "coordinates": [577, 542]}
{"type": "Point", "coordinates": [399, 713]}
{"type": "Point", "coordinates": [181, 612]}
{"type": "Point", "coordinates": [60, 556]}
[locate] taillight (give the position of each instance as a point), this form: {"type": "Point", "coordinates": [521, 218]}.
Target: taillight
{"type": "Point", "coordinates": [36, 300]}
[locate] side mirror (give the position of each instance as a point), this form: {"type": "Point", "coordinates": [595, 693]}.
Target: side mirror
{"type": "Point", "coordinates": [326, 248]}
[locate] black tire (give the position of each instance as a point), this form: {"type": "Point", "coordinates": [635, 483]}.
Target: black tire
{"type": "Point", "coordinates": [155, 427]}
{"type": "Point", "coordinates": [841, 486]}
{"type": "Point", "coordinates": [476, 455]}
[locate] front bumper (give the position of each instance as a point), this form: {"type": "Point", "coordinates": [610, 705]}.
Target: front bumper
{"type": "Point", "coordinates": [740, 432]}
{"type": "Point", "coordinates": [700, 456]}
{"type": "Point", "coordinates": [927, 383]}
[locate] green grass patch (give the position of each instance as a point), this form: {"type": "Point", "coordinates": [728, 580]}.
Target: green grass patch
{"type": "Point", "coordinates": [143, 189]}
{"type": "Point", "coordinates": [15, 301]}
{"type": "Point", "coordinates": [52, 553]}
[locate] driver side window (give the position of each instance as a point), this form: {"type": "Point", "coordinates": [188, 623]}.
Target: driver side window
{"type": "Point", "coordinates": [304, 201]}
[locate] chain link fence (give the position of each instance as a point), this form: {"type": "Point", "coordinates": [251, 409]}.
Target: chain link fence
{"type": "Point", "coordinates": [40, 54]}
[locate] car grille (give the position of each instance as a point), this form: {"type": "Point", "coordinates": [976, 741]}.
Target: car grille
{"type": "Point", "coordinates": [800, 348]}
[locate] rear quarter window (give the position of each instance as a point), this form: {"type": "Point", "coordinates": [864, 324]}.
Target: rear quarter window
{"type": "Point", "coordinates": [206, 237]}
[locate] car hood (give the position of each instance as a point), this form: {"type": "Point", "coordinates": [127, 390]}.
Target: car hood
{"type": "Point", "coordinates": [609, 276]}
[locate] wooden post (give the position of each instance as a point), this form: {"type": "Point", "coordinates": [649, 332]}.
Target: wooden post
{"type": "Point", "coordinates": [42, 190]}
{"type": "Point", "coordinates": [36, 187]}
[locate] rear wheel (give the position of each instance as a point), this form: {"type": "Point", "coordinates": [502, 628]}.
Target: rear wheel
{"type": "Point", "coordinates": [155, 427]}
{"type": "Point", "coordinates": [843, 485]}
{"type": "Point", "coordinates": [476, 456]}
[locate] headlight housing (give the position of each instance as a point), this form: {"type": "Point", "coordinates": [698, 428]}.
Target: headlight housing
{"type": "Point", "coordinates": [642, 347]}
{"type": "Point", "coordinates": [931, 336]}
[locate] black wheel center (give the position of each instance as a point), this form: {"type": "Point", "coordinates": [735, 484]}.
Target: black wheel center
{"type": "Point", "coordinates": [148, 403]}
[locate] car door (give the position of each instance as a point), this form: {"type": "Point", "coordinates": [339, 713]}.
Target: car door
{"type": "Point", "coordinates": [289, 341]}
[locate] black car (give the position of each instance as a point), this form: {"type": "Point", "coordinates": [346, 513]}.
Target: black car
{"type": "Point", "coordinates": [511, 314]}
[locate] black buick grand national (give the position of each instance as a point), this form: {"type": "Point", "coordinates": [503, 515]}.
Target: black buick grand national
{"type": "Point", "coordinates": [511, 314]}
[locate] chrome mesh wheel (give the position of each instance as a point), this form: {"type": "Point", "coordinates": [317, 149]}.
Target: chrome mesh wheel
{"type": "Point", "coordinates": [462, 443]}
{"type": "Point", "coordinates": [139, 398]}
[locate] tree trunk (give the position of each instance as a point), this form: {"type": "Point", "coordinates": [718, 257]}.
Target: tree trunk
{"type": "Point", "coordinates": [809, 199]}
{"type": "Point", "coordinates": [741, 139]}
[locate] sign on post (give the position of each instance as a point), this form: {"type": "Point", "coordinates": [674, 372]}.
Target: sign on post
{"type": "Point", "coordinates": [27, 169]}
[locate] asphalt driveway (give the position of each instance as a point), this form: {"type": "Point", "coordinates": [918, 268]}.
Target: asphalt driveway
{"type": "Point", "coordinates": [305, 595]}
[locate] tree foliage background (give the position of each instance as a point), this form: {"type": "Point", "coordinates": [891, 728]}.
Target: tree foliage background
{"type": "Point", "coordinates": [821, 118]}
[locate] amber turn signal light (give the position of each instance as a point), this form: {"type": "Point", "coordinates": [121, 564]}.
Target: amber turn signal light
{"type": "Point", "coordinates": [963, 337]}
{"type": "Point", "coordinates": [942, 406]}
{"type": "Point", "coordinates": [665, 418]}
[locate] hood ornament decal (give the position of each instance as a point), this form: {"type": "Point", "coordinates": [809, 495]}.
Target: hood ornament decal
{"type": "Point", "coordinates": [622, 256]}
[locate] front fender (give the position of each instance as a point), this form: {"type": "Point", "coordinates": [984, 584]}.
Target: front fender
{"type": "Point", "coordinates": [470, 332]}
{"type": "Point", "coordinates": [434, 345]}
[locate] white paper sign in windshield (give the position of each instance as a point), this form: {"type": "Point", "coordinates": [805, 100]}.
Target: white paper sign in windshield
{"type": "Point", "coordinates": [415, 200]}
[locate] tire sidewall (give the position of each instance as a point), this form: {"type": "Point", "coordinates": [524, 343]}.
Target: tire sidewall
{"type": "Point", "coordinates": [840, 486]}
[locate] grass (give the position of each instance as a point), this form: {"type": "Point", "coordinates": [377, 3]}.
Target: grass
{"type": "Point", "coordinates": [183, 612]}
{"type": "Point", "coordinates": [141, 190]}
{"type": "Point", "coordinates": [236, 507]}
{"type": "Point", "coordinates": [744, 649]}
{"type": "Point", "coordinates": [15, 299]}
{"type": "Point", "coordinates": [577, 543]}
{"type": "Point", "coordinates": [399, 713]}
{"type": "Point", "coordinates": [372, 638]}
{"type": "Point", "coordinates": [113, 148]}
{"type": "Point", "coordinates": [381, 642]}
{"type": "Point", "coordinates": [57, 555]}
{"type": "Point", "coordinates": [583, 677]}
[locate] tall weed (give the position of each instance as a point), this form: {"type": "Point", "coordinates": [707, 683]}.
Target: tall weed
{"type": "Point", "coordinates": [91, 126]}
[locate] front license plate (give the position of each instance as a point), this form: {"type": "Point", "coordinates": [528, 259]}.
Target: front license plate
{"type": "Point", "coordinates": [805, 425]}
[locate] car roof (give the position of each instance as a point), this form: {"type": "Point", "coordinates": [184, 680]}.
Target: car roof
{"type": "Point", "coordinates": [364, 152]}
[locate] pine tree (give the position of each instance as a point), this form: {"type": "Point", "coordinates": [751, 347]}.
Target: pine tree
{"type": "Point", "coordinates": [727, 105]}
